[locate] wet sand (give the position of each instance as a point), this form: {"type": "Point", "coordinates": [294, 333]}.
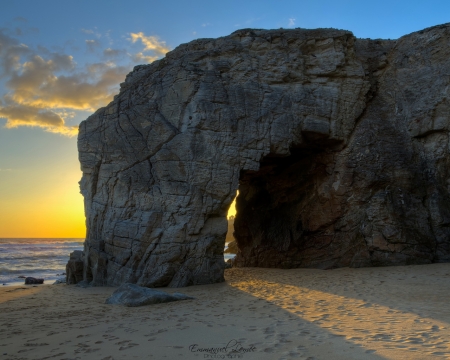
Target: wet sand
{"type": "Point", "coordinates": [369, 313]}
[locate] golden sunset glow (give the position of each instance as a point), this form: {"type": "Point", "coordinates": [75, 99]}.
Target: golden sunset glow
{"type": "Point", "coordinates": [42, 209]}
{"type": "Point", "coordinates": [232, 209]}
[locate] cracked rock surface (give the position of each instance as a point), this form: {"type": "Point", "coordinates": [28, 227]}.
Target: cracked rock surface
{"type": "Point", "coordinates": [339, 148]}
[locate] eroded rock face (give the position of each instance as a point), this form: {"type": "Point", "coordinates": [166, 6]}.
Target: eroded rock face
{"type": "Point", "coordinates": [339, 148]}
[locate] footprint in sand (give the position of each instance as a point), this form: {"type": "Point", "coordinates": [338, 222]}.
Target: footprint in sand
{"type": "Point", "coordinates": [126, 344]}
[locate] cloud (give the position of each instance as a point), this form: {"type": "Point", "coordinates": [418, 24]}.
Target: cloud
{"type": "Point", "coordinates": [291, 22]}
{"type": "Point", "coordinates": [26, 115]}
{"type": "Point", "coordinates": [114, 53]}
{"type": "Point", "coordinates": [140, 58]}
{"type": "Point", "coordinates": [19, 114]}
{"type": "Point", "coordinates": [37, 84]}
{"type": "Point", "coordinates": [18, 31]}
{"type": "Point", "coordinates": [92, 45]}
{"type": "Point", "coordinates": [151, 43]}
{"type": "Point", "coordinates": [5, 169]}
{"type": "Point", "coordinates": [36, 72]}
{"type": "Point", "coordinates": [11, 50]}
{"type": "Point", "coordinates": [41, 87]}
{"type": "Point", "coordinates": [45, 88]}
{"type": "Point", "coordinates": [92, 32]}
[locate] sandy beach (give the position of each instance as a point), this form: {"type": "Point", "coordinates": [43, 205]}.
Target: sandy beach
{"type": "Point", "coordinates": [366, 313]}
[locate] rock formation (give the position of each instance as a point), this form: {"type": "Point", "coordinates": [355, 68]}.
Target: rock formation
{"type": "Point", "coordinates": [75, 267]}
{"type": "Point", "coordinates": [339, 148]}
{"type": "Point", "coordinates": [33, 281]}
{"type": "Point", "coordinates": [232, 248]}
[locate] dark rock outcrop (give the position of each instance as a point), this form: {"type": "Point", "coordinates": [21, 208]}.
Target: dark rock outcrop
{"type": "Point", "coordinates": [74, 267]}
{"type": "Point", "coordinates": [33, 281]}
{"type": "Point", "coordinates": [133, 295]}
{"type": "Point", "coordinates": [232, 248]}
{"type": "Point", "coordinates": [339, 148]}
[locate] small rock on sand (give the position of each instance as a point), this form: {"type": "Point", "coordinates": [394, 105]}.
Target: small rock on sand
{"type": "Point", "coordinates": [61, 280]}
{"type": "Point", "coordinates": [135, 295]}
{"type": "Point", "coordinates": [32, 281]}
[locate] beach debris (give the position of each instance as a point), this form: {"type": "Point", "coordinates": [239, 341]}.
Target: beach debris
{"type": "Point", "coordinates": [134, 295]}
{"type": "Point", "coordinates": [32, 281]}
{"type": "Point", "coordinates": [21, 277]}
{"type": "Point", "coordinates": [74, 267]}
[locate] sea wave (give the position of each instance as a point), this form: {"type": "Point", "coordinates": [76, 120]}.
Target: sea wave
{"type": "Point", "coordinates": [6, 272]}
{"type": "Point", "coordinates": [17, 257]}
{"type": "Point", "coordinates": [41, 258]}
{"type": "Point", "coordinates": [43, 241]}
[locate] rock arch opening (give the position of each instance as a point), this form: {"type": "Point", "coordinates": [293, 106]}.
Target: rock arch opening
{"type": "Point", "coordinates": [280, 221]}
{"type": "Point", "coordinates": [230, 241]}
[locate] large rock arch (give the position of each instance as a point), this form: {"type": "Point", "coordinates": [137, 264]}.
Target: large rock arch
{"type": "Point", "coordinates": [339, 147]}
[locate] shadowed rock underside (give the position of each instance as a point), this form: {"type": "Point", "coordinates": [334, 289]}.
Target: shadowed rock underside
{"type": "Point", "coordinates": [339, 148]}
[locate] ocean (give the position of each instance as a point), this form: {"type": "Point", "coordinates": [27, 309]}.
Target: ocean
{"type": "Point", "coordinates": [39, 258]}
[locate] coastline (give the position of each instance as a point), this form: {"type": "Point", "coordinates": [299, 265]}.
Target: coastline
{"type": "Point", "coordinates": [365, 313]}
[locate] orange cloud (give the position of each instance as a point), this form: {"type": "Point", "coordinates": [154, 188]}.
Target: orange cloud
{"type": "Point", "coordinates": [26, 115]}
{"type": "Point", "coordinates": [140, 58]}
{"type": "Point", "coordinates": [81, 91]}
{"type": "Point", "coordinates": [151, 43]}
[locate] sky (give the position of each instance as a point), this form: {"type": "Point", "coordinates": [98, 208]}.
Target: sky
{"type": "Point", "coordinates": [61, 60]}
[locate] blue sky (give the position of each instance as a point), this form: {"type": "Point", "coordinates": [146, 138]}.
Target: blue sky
{"type": "Point", "coordinates": [61, 60]}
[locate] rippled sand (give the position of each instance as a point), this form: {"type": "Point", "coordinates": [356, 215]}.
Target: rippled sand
{"type": "Point", "coordinates": [370, 313]}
